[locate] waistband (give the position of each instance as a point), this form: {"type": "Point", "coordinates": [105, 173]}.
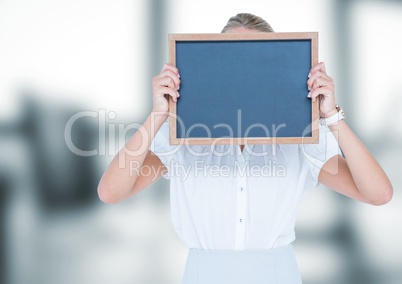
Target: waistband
{"type": "Point", "coordinates": [277, 253]}
{"type": "Point", "coordinates": [277, 265]}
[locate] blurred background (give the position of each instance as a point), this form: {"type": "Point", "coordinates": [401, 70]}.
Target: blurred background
{"type": "Point", "coordinates": [93, 61]}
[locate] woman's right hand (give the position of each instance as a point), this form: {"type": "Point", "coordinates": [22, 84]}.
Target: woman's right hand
{"type": "Point", "coordinates": [166, 83]}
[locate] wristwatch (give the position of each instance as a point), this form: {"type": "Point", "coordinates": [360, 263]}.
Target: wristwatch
{"type": "Point", "coordinates": [333, 118]}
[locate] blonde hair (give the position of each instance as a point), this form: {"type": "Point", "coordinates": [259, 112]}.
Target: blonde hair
{"type": "Point", "coordinates": [248, 21]}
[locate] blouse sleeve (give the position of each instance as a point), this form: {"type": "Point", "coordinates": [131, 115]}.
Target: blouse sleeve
{"type": "Point", "coordinates": [160, 146]}
{"type": "Point", "coordinates": [316, 155]}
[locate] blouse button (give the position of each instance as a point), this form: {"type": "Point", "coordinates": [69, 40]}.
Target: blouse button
{"type": "Point", "coordinates": [241, 189]}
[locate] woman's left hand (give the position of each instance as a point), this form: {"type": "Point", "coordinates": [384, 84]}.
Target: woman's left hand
{"type": "Point", "coordinates": [320, 84]}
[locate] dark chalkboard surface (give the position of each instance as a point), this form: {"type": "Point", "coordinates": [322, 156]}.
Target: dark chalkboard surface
{"type": "Point", "coordinates": [243, 88]}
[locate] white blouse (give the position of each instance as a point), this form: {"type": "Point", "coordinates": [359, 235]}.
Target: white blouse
{"type": "Point", "coordinates": [224, 199]}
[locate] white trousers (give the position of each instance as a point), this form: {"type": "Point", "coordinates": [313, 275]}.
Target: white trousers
{"type": "Point", "coordinates": [274, 266]}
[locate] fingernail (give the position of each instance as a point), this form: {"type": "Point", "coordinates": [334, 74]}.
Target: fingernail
{"type": "Point", "coordinates": [309, 75]}
{"type": "Point", "coordinates": [309, 95]}
{"type": "Point", "coordinates": [178, 94]}
{"type": "Point", "coordinates": [178, 87]}
{"type": "Point", "coordinates": [178, 75]}
{"type": "Point", "coordinates": [308, 88]}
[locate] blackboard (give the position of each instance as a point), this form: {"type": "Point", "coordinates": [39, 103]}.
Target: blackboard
{"type": "Point", "coordinates": [243, 88]}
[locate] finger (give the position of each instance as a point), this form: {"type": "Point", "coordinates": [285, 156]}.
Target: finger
{"type": "Point", "coordinates": [168, 91]}
{"type": "Point", "coordinates": [322, 82]}
{"type": "Point", "coordinates": [318, 67]}
{"type": "Point", "coordinates": [170, 74]}
{"type": "Point", "coordinates": [171, 68]}
{"type": "Point", "coordinates": [319, 91]}
{"type": "Point", "coordinates": [314, 76]}
{"type": "Point", "coordinates": [166, 82]}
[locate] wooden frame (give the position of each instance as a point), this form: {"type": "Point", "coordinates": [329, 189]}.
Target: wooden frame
{"type": "Point", "coordinates": [261, 38]}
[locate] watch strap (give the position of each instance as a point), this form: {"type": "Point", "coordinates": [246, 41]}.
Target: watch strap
{"type": "Point", "coordinates": [333, 118]}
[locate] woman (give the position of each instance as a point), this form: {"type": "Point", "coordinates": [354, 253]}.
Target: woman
{"type": "Point", "coordinates": [239, 227]}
